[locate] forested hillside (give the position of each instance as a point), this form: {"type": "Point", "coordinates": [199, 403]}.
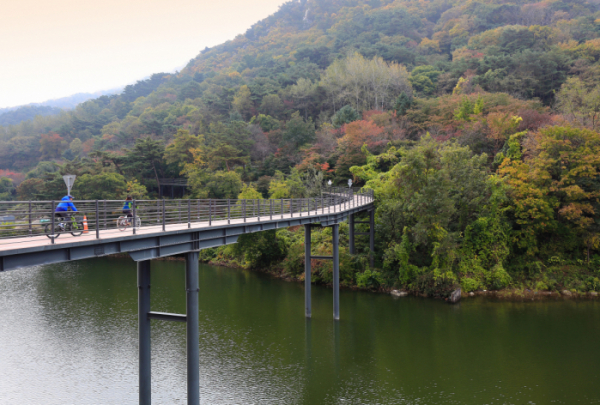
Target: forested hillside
{"type": "Point", "coordinates": [26, 113]}
{"type": "Point", "coordinates": [474, 122]}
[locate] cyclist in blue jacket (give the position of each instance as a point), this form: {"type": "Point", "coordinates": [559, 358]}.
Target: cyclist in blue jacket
{"type": "Point", "coordinates": [127, 207]}
{"type": "Point", "coordinates": [63, 207]}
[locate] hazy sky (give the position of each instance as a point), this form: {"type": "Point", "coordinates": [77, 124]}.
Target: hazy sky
{"type": "Point", "coordinates": [55, 48]}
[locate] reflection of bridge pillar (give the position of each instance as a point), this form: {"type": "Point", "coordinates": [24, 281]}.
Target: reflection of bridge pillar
{"type": "Point", "coordinates": [193, 335]}
{"type": "Point", "coordinates": [307, 270]}
{"type": "Point", "coordinates": [351, 233]}
{"type": "Point", "coordinates": [143, 271]}
{"type": "Point", "coordinates": [336, 271]}
{"type": "Point", "coordinates": [372, 238]}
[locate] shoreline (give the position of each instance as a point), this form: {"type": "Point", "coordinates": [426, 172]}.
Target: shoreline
{"type": "Point", "coordinates": [508, 294]}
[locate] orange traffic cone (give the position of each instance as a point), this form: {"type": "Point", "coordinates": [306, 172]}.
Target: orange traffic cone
{"type": "Point", "coordinates": [85, 226]}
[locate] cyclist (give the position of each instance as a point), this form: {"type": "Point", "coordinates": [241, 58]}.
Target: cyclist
{"type": "Point", "coordinates": [63, 207]}
{"type": "Point", "coordinates": [127, 207]}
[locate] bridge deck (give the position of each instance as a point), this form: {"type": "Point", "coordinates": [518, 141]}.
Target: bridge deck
{"type": "Point", "coordinates": [151, 241]}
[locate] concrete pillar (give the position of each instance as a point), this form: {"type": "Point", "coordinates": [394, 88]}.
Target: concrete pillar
{"type": "Point", "coordinates": [193, 334]}
{"type": "Point", "coordinates": [336, 272]}
{"type": "Point", "coordinates": [307, 271]}
{"type": "Point", "coordinates": [143, 274]}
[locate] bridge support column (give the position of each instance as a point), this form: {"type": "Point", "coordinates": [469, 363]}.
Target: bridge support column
{"type": "Point", "coordinates": [336, 272]}
{"type": "Point", "coordinates": [307, 271]}
{"type": "Point", "coordinates": [143, 274]}
{"type": "Point", "coordinates": [372, 238]}
{"type": "Point", "coordinates": [193, 334]}
{"type": "Point", "coordinates": [351, 233]}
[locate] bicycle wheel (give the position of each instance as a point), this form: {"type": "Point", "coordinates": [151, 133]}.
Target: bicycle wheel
{"type": "Point", "coordinates": [122, 223]}
{"type": "Point", "coordinates": [48, 231]}
{"type": "Point", "coordinates": [77, 229]}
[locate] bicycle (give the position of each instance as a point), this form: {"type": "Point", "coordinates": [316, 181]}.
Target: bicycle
{"type": "Point", "coordinates": [62, 225]}
{"type": "Point", "coordinates": [124, 221]}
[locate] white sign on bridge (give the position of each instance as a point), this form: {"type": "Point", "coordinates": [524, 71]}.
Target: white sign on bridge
{"type": "Point", "coordinates": [69, 181]}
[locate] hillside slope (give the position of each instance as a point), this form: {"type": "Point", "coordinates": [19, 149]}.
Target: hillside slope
{"type": "Point", "coordinates": [475, 123]}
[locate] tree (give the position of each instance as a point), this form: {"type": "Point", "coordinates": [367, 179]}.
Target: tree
{"type": "Point", "coordinates": [302, 92]}
{"type": "Point", "coordinates": [52, 145]}
{"type": "Point", "coordinates": [555, 188]}
{"type": "Point", "coordinates": [136, 190]}
{"type": "Point", "coordinates": [345, 115]}
{"type": "Point", "coordinates": [76, 147]}
{"type": "Point", "coordinates": [266, 122]}
{"type": "Point", "coordinates": [7, 189]}
{"type": "Point", "coordinates": [424, 79]}
{"type": "Point", "coordinates": [242, 102]}
{"type": "Point", "coordinates": [227, 156]}
{"type": "Point", "coordinates": [297, 131]}
{"type": "Point", "coordinates": [104, 186]}
{"type": "Point", "coordinates": [145, 158]}
{"type": "Point", "coordinates": [30, 189]}
{"type": "Point", "coordinates": [365, 84]}
{"type": "Point", "coordinates": [271, 105]}
{"type": "Point", "coordinates": [403, 103]}
{"type": "Point", "coordinates": [350, 146]}
{"type": "Point", "coordinates": [249, 193]}
{"type": "Point", "coordinates": [292, 187]}
{"type": "Point", "coordinates": [426, 201]}
{"type": "Point", "coordinates": [580, 103]}
{"type": "Point", "coordinates": [180, 150]}
{"type": "Point", "coordinates": [224, 185]}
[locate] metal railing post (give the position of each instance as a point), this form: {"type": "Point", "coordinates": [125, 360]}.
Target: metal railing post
{"type": "Point", "coordinates": [163, 214]}
{"type": "Point", "coordinates": [209, 212]}
{"type": "Point", "coordinates": [179, 211]}
{"type": "Point", "coordinates": [281, 200]}
{"type": "Point", "coordinates": [134, 217]}
{"type": "Point", "coordinates": [53, 216]}
{"type": "Point", "coordinates": [258, 205]}
{"type": "Point", "coordinates": [105, 226]}
{"type": "Point", "coordinates": [189, 213]}
{"type": "Point", "coordinates": [271, 209]}
{"type": "Point", "coordinates": [157, 211]}
{"type": "Point", "coordinates": [291, 208]}
{"type": "Point", "coordinates": [244, 209]}
{"type": "Point", "coordinates": [228, 211]}
{"type": "Point", "coordinates": [97, 222]}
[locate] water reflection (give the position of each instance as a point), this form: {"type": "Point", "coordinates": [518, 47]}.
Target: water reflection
{"type": "Point", "coordinates": [68, 334]}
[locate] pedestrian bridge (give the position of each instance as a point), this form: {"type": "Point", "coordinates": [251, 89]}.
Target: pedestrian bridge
{"type": "Point", "coordinates": [172, 227]}
{"type": "Point", "coordinates": [168, 227]}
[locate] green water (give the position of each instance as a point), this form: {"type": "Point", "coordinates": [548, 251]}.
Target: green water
{"type": "Point", "coordinates": [68, 335]}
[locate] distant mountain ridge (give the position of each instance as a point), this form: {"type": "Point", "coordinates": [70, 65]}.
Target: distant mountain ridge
{"type": "Point", "coordinates": [17, 114]}
{"type": "Point", "coordinates": [67, 102]}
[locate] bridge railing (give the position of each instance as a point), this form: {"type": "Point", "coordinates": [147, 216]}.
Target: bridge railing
{"type": "Point", "coordinates": [25, 221]}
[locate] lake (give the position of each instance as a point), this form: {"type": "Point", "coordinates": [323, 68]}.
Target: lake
{"type": "Point", "coordinates": [68, 335]}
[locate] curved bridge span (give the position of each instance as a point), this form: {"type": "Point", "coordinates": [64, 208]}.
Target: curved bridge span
{"type": "Point", "coordinates": [168, 227]}
{"type": "Point", "coordinates": [172, 227]}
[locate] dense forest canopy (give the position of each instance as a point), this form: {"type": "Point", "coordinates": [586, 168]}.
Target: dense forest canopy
{"type": "Point", "coordinates": [475, 123]}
